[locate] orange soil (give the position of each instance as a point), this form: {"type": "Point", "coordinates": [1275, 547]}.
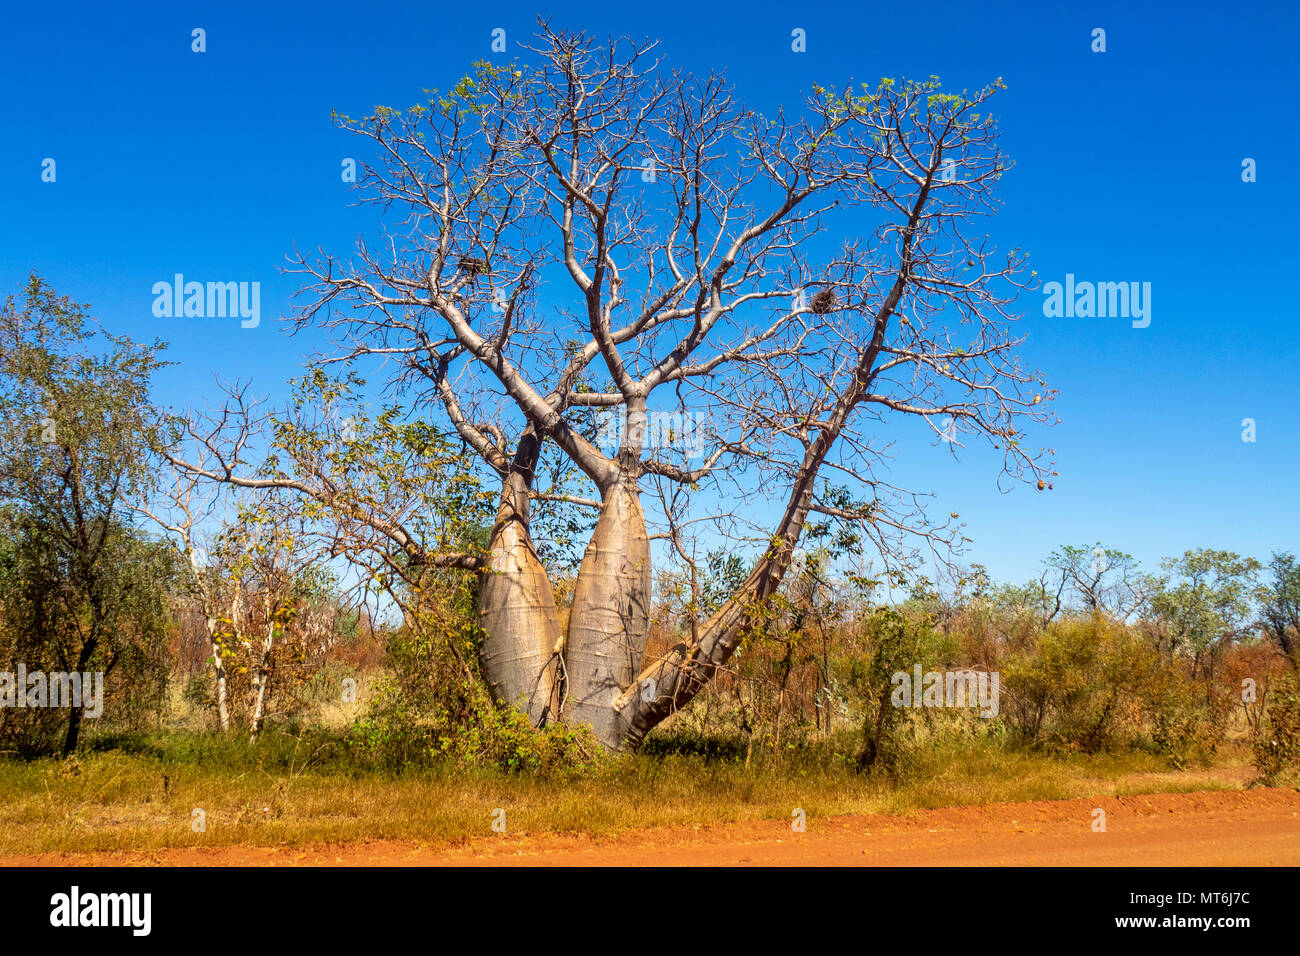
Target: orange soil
{"type": "Point", "coordinates": [1211, 828]}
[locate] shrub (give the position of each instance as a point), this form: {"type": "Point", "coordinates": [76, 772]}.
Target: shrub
{"type": "Point", "coordinates": [889, 642]}
{"type": "Point", "coordinates": [433, 706]}
{"type": "Point", "coordinates": [1184, 728]}
{"type": "Point", "coordinates": [1277, 745]}
{"type": "Point", "coordinates": [1082, 685]}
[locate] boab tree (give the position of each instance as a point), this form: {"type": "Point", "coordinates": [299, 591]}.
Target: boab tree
{"type": "Point", "coordinates": [588, 230]}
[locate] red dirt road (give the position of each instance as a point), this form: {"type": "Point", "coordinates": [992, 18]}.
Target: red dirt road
{"type": "Point", "coordinates": [1210, 828]}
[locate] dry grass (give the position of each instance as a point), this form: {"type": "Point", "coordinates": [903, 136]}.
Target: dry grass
{"type": "Point", "coordinates": [287, 791]}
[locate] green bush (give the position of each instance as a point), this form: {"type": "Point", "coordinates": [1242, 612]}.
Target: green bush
{"type": "Point", "coordinates": [889, 642]}
{"type": "Point", "coordinates": [1185, 731]}
{"type": "Point", "coordinates": [433, 707]}
{"type": "Point", "coordinates": [1082, 685]}
{"type": "Point", "coordinates": [1277, 745]}
{"type": "Point", "coordinates": [464, 729]}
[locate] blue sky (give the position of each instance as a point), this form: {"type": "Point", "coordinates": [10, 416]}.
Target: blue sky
{"type": "Point", "coordinates": [1128, 168]}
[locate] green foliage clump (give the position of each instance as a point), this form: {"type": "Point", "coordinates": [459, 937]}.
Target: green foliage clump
{"type": "Point", "coordinates": [1080, 685]}
{"type": "Point", "coordinates": [890, 643]}
{"type": "Point", "coordinates": [433, 707]}
{"type": "Point", "coordinates": [1185, 729]}
{"type": "Point", "coordinates": [462, 727]}
{"type": "Point", "coordinates": [1088, 684]}
{"type": "Point", "coordinates": [1277, 745]}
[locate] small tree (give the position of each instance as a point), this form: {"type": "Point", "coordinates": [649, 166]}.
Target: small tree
{"type": "Point", "coordinates": [1280, 607]}
{"type": "Point", "coordinates": [894, 645]}
{"type": "Point", "coordinates": [1204, 600]}
{"type": "Point", "coordinates": [187, 510]}
{"type": "Point", "coordinates": [279, 629]}
{"type": "Point", "coordinates": [75, 429]}
{"type": "Point", "coordinates": [1094, 579]}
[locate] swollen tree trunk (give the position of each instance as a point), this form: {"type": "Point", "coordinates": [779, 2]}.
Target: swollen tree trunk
{"type": "Point", "coordinates": [522, 639]}
{"type": "Point", "coordinates": [610, 620]}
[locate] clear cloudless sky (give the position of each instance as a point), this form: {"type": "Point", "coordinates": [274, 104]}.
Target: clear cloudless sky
{"type": "Point", "coordinates": [1128, 168]}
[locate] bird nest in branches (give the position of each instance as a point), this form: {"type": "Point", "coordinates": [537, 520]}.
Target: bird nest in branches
{"type": "Point", "coordinates": [475, 266]}
{"type": "Point", "coordinates": [823, 302]}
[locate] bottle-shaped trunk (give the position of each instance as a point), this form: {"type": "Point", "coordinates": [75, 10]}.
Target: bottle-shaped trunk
{"type": "Point", "coordinates": [609, 622]}
{"type": "Point", "coordinates": [522, 638]}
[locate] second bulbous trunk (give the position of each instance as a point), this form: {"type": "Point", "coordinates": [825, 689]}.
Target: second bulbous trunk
{"type": "Point", "coordinates": [610, 619]}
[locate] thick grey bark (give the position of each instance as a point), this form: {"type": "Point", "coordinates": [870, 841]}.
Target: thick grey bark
{"type": "Point", "coordinates": [610, 619]}
{"type": "Point", "coordinates": [522, 637]}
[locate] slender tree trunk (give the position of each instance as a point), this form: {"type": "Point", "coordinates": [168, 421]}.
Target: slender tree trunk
{"type": "Point", "coordinates": [75, 714]}
{"type": "Point", "coordinates": [610, 620]}
{"type": "Point", "coordinates": [261, 683]}
{"type": "Point", "coordinates": [787, 664]}
{"type": "Point", "coordinates": [74, 730]}
{"type": "Point", "coordinates": [522, 640]}
{"type": "Point", "coordinates": [824, 689]}
{"type": "Point", "coordinates": [219, 670]}
{"type": "Point", "coordinates": [677, 681]}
